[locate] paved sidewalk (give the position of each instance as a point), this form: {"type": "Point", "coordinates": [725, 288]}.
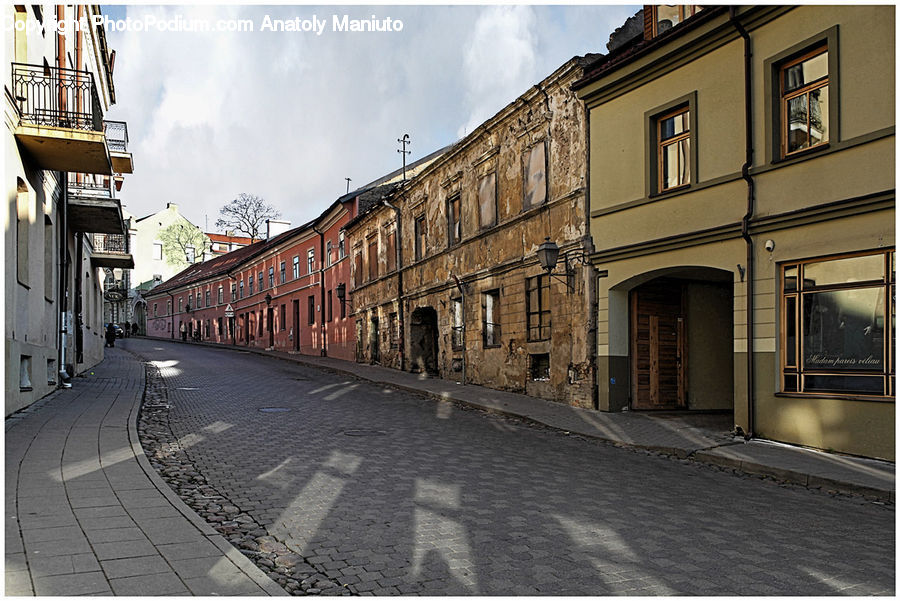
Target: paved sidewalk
{"type": "Point", "coordinates": [87, 515]}
{"type": "Point", "coordinates": [703, 437]}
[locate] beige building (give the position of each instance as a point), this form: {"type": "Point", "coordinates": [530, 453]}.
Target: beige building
{"type": "Point", "coordinates": [446, 277]}
{"type": "Point", "coordinates": [742, 210]}
{"type": "Point", "coordinates": [63, 226]}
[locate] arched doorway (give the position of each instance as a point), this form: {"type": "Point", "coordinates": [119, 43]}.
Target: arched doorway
{"type": "Point", "coordinates": [423, 340]}
{"type": "Point", "coordinates": [681, 340]}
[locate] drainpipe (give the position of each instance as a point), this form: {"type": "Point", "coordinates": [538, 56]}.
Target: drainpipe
{"type": "Point", "coordinates": [745, 222]}
{"type": "Point", "coordinates": [588, 245]}
{"type": "Point", "coordinates": [399, 260]}
{"type": "Point", "coordinates": [64, 378]}
{"type": "Point", "coordinates": [462, 291]}
{"type": "Point", "coordinates": [324, 350]}
{"type": "Point", "coordinates": [172, 315]}
{"type": "Point", "coordinates": [78, 302]}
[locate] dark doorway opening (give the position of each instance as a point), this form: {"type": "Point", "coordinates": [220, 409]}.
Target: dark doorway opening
{"type": "Point", "coordinates": [423, 341]}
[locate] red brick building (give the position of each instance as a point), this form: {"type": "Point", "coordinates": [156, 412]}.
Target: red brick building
{"type": "Point", "coordinates": [281, 293]}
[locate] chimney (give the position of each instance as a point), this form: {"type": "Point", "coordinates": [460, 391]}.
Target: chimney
{"type": "Point", "coordinates": [172, 206]}
{"type": "Point", "coordinates": [275, 227]}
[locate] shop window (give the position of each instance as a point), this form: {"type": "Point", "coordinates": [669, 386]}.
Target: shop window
{"type": "Point", "coordinates": [537, 307]}
{"type": "Point", "coordinates": [490, 310]}
{"type": "Point", "coordinates": [837, 325]}
{"type": "Point", "coordinates": [539, 367]}
{"type": "Point", "coordinates": [535, 176]}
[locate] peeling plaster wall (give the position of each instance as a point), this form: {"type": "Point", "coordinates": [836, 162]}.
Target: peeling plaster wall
{"type": "Point", "coordinates": [498, 256]}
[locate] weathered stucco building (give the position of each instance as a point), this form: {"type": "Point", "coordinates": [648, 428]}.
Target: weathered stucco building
{"type": "Point", "coordinates": [445, 275]}
{"type": "Point", "coordinates": [742, 208]}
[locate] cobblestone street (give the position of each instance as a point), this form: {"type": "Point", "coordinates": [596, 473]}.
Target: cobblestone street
{"type": "Point", "coordinates": [391, 493]}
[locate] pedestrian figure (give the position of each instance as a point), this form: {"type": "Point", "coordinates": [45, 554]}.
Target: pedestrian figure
{"type": "Point", "coordinates": [183, 332]}
{"type": "Point", "coordinates": [134, 329]}
{"type": "Point", "coordinates": [127, 332]}
{"type": "Point", "coordinates": [110, 335]}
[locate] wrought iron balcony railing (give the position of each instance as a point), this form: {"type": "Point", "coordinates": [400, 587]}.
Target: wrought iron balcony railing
{"type": "Point", "coordinates": [57, 97]}
{"type": "Point", "coordinates": [91, 186]}
{"type": "Point", "coordinates": [110, 244]}
{"type": "Point", "coordinates": [116, 135]}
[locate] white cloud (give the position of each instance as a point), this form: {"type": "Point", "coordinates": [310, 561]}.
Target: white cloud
{"type": "Point", "coordinates": [288, 115]}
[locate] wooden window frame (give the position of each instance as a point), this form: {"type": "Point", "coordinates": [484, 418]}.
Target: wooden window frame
{"type": "Point", "coordinates": [685, 11]}
{"type": "Point", "coordinates": [805, 90]}
{"type": "Point", "coordinates": [420, 232]}
{"type": "Point", "coordinates": [372, 258]}
{"type": "Point", "coordinates": [494, 212]}
{"type": "Point", "coordinates": [662, 145]}
{"type": "Point", "coordinates": [652, 122]}
{"type": "Point", "coordinates": [791, 367]}
{"type": "Point", "coordinates": [544, 314]}
{"type": "Point", "coordinates": [454, 218]}
{"type": "Point", "coordinates": [391, 250]}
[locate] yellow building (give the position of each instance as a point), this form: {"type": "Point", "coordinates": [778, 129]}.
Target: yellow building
{"type": "Point", "coordinates": [63, 164]}
{"type": "Point", "coordinates": [742, 213]}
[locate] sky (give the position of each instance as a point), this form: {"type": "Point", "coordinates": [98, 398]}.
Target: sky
{"type": "Point", "coordinates": [288, 115]}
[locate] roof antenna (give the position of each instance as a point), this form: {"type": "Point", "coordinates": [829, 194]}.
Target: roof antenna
{"type": "Point", "coordinates": [404, 140]}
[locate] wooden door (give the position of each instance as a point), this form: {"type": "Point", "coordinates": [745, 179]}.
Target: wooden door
{"type": "Point", "coordinates": [658, 346]}
{"type": "Point", "coordinates": [295, 330]}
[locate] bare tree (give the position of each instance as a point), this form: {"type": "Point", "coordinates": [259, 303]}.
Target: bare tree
{"type": "Point", "coordinates": [246, 214]}
{"type": "Point", "coordinates": [183, 243]}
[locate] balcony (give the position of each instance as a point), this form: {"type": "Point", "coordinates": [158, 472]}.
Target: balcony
{"type": "Point", "coordinates": [91, 207]}
{"type": "Point", "coordinates": [60, 119]}
{"type": "Point", "coordinates": [111, 250]}
{"type": "Point", "coordinates": [117, 141]}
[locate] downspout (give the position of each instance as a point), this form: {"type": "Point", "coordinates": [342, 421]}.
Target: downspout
{"type": "Point", "coordinates": [172, 314]}
{"type": "Point", "coordinates": [78, 300]}
{"type": "Point", "coordinates": [591, 269]}
{"type": "Point", "coordinates": [324, 350]}
{"type": "Point", "coordinates": [63, 281]}
{"type": "Point", "coordinates": [399, 259]}
{"type": "Point", "coordinates": [745, 222]}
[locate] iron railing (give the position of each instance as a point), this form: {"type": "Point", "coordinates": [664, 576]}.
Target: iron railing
{"type": "Point", "coordinates": [110, 244]}
{"type": "Point", "coordinates": [57, 97]}
{"type": "Point", "coordinates": [91, 186]}
{"type": "Point", "coordinates": [116, 135]}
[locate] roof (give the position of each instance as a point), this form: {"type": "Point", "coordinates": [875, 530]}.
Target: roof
{"type": "Point", "coordinates": [225, 238]}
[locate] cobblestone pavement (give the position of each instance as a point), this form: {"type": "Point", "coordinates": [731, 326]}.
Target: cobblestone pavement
{"type": "Point", "coordinates": [387, 492]}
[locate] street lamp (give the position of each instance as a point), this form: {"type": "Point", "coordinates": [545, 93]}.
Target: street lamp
{"type": "Point", "coordinates": [548, 257]}
{"type": "Point", "coordinates": [341, 291]}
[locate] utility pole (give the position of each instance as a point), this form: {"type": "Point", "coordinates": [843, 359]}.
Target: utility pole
{"type": "Point", "coordinates": [348, 184]}
{"type": "Point", "coordinates": [404, 140]}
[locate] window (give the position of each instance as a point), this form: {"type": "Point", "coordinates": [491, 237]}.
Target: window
{"type": "Point", "coordinates": [393, 330]}
{"type": "Point", "coordinates": [220, 297]}
{"type": "Point", "coordinates": [180, 304]}
{"type": "Point", "coordinates": [189, 254]}
{"type": "Point", "coordinates": [673, 137]}
{"type": "Point", "coordinates": [234, 292]}
{"type": "Point", "coordinates": [535, 177]}
{"type": "Point", "coordinates": [837, 330]}
{"type": "Point", "coordinates": [672, 148]}
{"type": "Point", "coordinates": [487, 200]}
{"type": "Point", "coordinates": [155, 309]}
{"type": "Point", "coordinates": [207, 298]}
{"type": "Point", "coordinates": [667, 16]}
{"type": "Point", "coordinates": [168, 307]}
{"type": "Point", "coordinates": [250, 285]}
{"type": "Point", "coordinates": [282, 274]}
{"type": "Point", "coordinates": [23, 219]}
{"type": "Point", "coordinates": [296, 267]}
{"type": "Point", "coordinates": [310, 260]}
{"type": "Point", "coordinates": [311, 310]}
{"type": "Point", "coordinates": [490, 325]}
{"type": "Point", "coordinates": [271, 277]}
{"type": "Point", "coordinates": [457, 326]}
{"type": "Point", "coordinates": [372, 257]}
{"type": "Point", "coordinates": [199, 299]}
{"type": "Point", "coordinates": [358, 269]}
{"type": "Point", "coordinates": [420, 228]}
{"type": "Point", "coordinates": [539, 367]}
{"type": "Point", "coordinates": [804, 102]}
{"type": "Point", "coordinates": [260, 281]}
{"type": "Point", "coordinates": [454, 229]}
{"type": "Point", "coordinates": [242, 288]}
{"type": "Point", "coordinates": [328, 249]}
{"type": "Point", "coordinates": [342, 251]}
{"type": "Point", "coordinates": [157, 251]}
{"type": "Point", "coordinates": [391, 251]}
{"type": "Point", "coordinates": [219, 329]}
{"type": "Point", "coordinates": [49, 263]}
{"type": "Point", "coordinates": [537, 307]}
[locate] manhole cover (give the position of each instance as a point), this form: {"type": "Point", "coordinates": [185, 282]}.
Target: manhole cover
{"type": "Point", "coordinates": [362, 432]}
{"type": "Point", "coordinates": [273, 409]}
